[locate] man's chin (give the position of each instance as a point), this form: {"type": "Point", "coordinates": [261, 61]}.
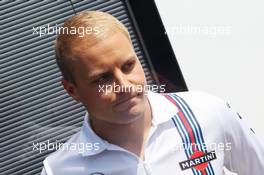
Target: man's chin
{"type": "Point", "coordinates": [128, 105]}
{"type": "Point", "coordinates": [132, 114]}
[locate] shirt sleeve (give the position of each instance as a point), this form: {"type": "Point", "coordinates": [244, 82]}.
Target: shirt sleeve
{"type": "Point", "coordinates": [247, 150]}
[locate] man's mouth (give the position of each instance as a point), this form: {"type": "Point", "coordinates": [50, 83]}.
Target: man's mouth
{"type": "Point", "coordinates": [122, 101]}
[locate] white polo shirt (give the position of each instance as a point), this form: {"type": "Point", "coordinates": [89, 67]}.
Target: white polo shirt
{"type": "Point", "coordinates": [192, 133]}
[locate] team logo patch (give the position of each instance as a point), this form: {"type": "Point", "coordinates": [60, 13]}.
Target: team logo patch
{"type": "Point", "coordinates": [198, 160]}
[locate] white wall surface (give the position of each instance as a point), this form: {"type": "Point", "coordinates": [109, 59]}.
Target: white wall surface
{"type": "Point", "coordinates": [220, 48]}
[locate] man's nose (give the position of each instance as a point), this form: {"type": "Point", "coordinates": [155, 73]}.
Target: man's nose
{"type": "Point", "coordinates": [122, 80]}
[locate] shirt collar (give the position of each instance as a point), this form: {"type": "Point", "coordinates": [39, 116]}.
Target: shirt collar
{"type": "Point", "coordinates": [162, 111]}
{"type": "Point", "coordinates": [87, 135]}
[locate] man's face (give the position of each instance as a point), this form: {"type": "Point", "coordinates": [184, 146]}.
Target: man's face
{"type": "Point", "coordinates": [110, 63]}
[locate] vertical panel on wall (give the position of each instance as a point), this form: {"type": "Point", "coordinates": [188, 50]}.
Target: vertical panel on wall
{"type": "Point", "coordinates": [34, 107]}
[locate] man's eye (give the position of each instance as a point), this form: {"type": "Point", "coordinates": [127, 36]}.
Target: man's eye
{"type": "Point", "coordinates": [103, 78]}
{"type": "Point", "coordinates": [128, 66]}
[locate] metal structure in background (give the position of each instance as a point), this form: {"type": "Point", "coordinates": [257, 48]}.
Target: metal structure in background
{"type": "Point", "coordinates": [34, 108]}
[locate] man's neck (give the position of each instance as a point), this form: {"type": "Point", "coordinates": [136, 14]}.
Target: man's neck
{"type": "Point", "coordinates": [130, 136]}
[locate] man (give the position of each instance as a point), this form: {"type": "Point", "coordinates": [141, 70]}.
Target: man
{"type": "Point", "coordinates": [134, 131]}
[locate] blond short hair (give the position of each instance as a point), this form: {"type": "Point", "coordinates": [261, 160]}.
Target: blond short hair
{"type": "Point", "coordinates": [95, 27]}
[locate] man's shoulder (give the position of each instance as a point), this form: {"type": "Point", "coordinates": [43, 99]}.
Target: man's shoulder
{"type": "Point", "coordinates": [195, 94]}
{"type": "Point", "coordinates": [65, 151]}
{"type": "Point", "coordinates": [193, 99]}
{"type": "Point", "coordinates": [198, 97]}
{"type": "Point", "coordinates": [199, 102]}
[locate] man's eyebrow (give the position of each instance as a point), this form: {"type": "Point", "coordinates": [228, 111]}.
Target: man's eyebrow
{"type": "Point", "coordinates": [94, 75]}
{"type": "Point", "coordinates": [130, 58]}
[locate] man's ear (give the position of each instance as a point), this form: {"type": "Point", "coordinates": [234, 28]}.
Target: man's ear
{"type": "Point", "coordinates": [71, 89]}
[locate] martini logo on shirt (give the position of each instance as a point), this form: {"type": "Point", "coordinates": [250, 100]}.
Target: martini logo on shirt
{"type": "Point", "coordinates": [199, 160]}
